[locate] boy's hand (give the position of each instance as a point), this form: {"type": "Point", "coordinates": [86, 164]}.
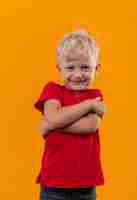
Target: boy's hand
{"type": "Point", "coordinates": [44, 126]}
{"type": "Point", "coordinates": [98, 106]}
{"type": "Point", "coordinates": [100, 109]}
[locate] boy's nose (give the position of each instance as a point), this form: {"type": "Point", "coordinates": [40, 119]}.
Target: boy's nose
{"type": "Point", "coordinates": [78, 76]}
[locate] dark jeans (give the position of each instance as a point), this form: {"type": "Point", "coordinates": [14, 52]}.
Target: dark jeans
{"type": "Point", "coordinates": [67, 194]}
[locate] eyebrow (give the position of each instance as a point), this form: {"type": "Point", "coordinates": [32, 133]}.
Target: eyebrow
{"type": "Point", "coordinates": [81, 65]}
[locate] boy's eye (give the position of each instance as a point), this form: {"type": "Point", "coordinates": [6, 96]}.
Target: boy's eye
{"type": "Point", "coordinates": [85, 67]}
{"type": "Point", "coordinates": [70, 68]}
{"type": "Point", "coordinates": [82, 67]}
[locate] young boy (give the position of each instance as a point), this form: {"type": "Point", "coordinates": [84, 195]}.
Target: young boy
{"type": "Point", "coordinates": [70, 165]}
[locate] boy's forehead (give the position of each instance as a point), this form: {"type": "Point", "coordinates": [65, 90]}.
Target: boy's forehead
{"type": "Point", "coordinates": [74, 59]}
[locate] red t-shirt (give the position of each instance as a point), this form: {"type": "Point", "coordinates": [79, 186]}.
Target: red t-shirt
{"type": "Point", "coordinates": [69, 160]}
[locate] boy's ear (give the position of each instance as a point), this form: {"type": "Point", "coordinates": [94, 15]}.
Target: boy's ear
{"type": "Point", "coordinates": [98, 66]}
{"type": "Point", "coordinates": [57, 66]}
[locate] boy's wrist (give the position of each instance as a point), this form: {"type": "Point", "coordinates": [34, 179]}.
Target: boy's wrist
{"type": "Point", "coordinates": [100, 114]}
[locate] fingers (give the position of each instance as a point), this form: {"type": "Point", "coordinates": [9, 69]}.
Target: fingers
{"type": "Point", "coordinates": [98, 98]}
{"type": "Point", "coordinates": [42, 126]}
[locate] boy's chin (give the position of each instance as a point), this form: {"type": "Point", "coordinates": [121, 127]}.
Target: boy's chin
{"type": "Point", "coordinates": [78, 87]}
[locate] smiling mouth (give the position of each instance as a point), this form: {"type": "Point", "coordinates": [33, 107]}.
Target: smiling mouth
{"type": "Point", "coordinates": [79, 81]}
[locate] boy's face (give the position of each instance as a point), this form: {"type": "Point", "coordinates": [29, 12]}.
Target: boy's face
{"type": "Point", "coordinates": [77, 71]}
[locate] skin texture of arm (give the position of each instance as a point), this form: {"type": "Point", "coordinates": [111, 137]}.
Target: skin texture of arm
{"type": "Point", "coordinates": [71, 119]}
{"type": "Point", "coordinates": [85, 125]}
{"type": "Point", "coordinates": [60, 117]}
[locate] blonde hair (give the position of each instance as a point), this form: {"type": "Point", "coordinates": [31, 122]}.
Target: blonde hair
{"type": "Point", "coordinates": [78, 39]}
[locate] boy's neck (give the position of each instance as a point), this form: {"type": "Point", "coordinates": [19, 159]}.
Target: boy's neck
{"type": "Point", "coordinates": [76, 92]}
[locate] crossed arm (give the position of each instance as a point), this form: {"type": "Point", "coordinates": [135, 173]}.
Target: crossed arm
{"type": "Point", "coordinates": [87, 124]}
{"type": "Point", "coordinates": [80, 118]}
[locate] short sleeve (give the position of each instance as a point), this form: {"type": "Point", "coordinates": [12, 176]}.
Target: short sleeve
{"type": "Point", "coordinates": [101, 96]}
{"type": "Point", "coordinates": [98, 93]}
{"type": "Point", "coordinates": [50, 91]}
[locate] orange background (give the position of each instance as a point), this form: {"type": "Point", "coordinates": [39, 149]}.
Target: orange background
{"type": "Point", "coordinates": [29, 33]}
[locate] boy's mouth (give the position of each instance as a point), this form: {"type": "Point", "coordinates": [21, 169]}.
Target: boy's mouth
{"type": "Point", "coordinates": [79, 81]}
